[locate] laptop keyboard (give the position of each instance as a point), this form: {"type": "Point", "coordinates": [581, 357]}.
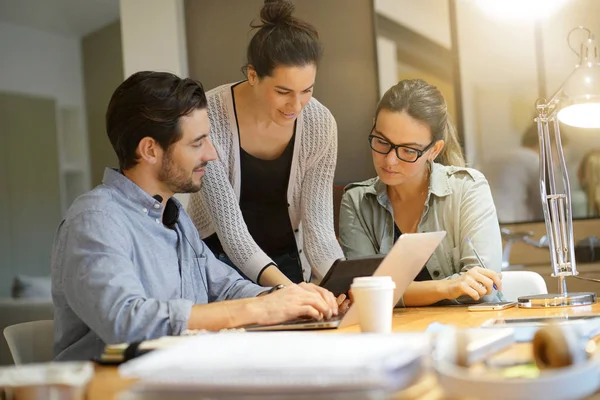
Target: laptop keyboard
{"type": "Point", "coordinates": [309, 320]}
{"type": "Point", "coordinates": [298, 321]}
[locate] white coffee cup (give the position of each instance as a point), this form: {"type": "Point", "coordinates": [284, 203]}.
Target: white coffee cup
{"type": "Point", "coordinates": [374, 298]}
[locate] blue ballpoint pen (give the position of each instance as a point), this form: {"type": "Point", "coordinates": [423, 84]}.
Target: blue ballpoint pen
{"type": "Point", "coordinates": [482, 264]}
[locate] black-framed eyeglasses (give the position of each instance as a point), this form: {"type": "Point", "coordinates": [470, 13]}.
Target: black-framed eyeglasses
{"type": "Point", "coordinates": [405, 153]}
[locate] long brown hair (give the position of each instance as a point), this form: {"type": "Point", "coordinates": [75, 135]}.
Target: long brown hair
{"type": "Point", "coordinates": [589, 176]}
{"type": "Point", "coordinates": [425, 103]}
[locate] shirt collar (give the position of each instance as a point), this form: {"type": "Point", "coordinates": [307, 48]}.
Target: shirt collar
{"type": "Point", "coordinates": [130, 190]}
{"type": "Point", "coordinates": [439, 185]}
{"type": "Point", "coordinates": [378, 188]}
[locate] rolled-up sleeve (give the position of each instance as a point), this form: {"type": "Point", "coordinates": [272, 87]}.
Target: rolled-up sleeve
{"type": "Point", "coordinates": [103, 286]}
{"type": "Point", "coordinates": [479, 222]}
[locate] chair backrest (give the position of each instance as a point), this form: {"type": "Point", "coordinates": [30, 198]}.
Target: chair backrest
{"type": "Point", "coordinates": [31, 342]}
{"type": "Point", "coordinates": [522, 283]}
{"type": "Point", "coordinates": [17, 311]}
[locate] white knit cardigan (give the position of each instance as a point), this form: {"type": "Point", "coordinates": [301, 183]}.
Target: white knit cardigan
{"type": "Point", "coordinates": [310, 189]}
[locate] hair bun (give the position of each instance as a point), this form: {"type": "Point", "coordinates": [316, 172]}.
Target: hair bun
{"type": "Point", "coordinates": [275, 12]}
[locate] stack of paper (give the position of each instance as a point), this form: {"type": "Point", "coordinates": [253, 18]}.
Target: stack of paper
{"type": "Point", "coordinates": [283, 362]}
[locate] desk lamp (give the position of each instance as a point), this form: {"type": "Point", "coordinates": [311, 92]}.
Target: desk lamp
{"type": "Point", "coordinates": [575, 103]}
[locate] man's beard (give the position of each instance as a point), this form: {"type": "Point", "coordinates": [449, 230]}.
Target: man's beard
{"type": "Point", "coordinates": [176, 178]}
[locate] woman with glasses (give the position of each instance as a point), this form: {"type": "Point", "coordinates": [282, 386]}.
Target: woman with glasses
{"type": "Point", "coordinates": [423, 186]}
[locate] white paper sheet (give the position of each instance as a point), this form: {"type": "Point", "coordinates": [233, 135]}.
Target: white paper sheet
{"type": "Point", "coordinates": [274, 361]}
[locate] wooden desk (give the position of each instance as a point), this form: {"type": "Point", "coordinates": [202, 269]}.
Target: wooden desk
{"type": "Point", "coordinates": [107, 383]}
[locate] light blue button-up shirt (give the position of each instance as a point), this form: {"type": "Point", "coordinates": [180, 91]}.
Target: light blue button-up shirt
{"type": "Point", "coordinates": [120, 275]}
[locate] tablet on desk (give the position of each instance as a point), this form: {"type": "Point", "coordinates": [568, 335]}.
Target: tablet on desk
{"type": "Point", "coordinates": [539, 320]}
{"type": "Point", "coordinates": [525, 328]}
{"type": "Point", "coordinates": [343, 271]}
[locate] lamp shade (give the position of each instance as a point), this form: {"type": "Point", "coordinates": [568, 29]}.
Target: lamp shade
{"type": "Point", "coordinates": [580, 98]}
{"type": "Point", "coordinates": [581, 115]}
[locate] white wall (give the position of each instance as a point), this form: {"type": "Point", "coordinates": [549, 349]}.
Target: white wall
{"type": "Point", "coordinates": [498, 70]}
{"type": "Point", "coordinates": [430, 18]}
{"type": "Point", "coordinates": [42, 64]}
{"type": "Point", "coordinates": [153, 35]}
{"type": "Point", "coordinates": [45, 64]}
{"type": "Point", "coordinates": [387, 64]}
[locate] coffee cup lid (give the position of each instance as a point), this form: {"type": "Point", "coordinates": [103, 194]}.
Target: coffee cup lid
{"type": "Point", "coordinates": [383, 282]}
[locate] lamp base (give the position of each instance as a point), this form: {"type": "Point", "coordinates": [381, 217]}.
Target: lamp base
{"type": "Point", "coordinates": [557, 300]}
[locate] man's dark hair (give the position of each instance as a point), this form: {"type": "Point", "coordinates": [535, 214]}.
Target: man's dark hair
{"type": "Point", "coordinates": [150, 104]}
{"type": "Point", "coordinates": [282, 40]}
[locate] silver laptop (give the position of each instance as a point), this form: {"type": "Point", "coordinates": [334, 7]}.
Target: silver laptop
{"type": "Point", "coordinates": [403, 263]}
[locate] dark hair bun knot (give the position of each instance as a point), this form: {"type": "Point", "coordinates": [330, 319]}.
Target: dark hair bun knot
{"type": "Point", "coordinates": [276, 12]}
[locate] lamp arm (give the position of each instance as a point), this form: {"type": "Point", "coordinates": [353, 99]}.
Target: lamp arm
{"type": "Point", "coordinates": [556, 204]}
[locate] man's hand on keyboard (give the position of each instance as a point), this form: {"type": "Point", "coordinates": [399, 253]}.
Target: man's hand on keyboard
{"type": "Point", "coordinates": [326, 295]}
{"type": "Point", "coordinates": [292, 302]}
{"type": "Point", "coordinates": [343, 304]}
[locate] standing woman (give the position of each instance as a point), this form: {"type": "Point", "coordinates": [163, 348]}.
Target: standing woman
{"type": "Point", "coordinates": [423, 186]}
{"type": "Point", "coordinates": [266, 205]}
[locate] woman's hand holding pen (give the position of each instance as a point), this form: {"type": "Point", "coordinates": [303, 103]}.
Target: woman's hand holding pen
{"type": "Point", "coordinates": [476, 283]}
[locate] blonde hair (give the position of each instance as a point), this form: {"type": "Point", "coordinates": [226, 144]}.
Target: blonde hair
{"type": "Point", "coordinates": [425, 103]}
{"type": "Point", "coordinates": [589, 176]}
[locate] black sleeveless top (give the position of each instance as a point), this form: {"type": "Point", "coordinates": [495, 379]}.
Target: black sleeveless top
{"type": "Point", "coordinates": [263, 201]}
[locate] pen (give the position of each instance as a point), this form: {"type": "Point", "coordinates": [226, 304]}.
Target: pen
{"type": "Point", "coordinates": [482, 264]}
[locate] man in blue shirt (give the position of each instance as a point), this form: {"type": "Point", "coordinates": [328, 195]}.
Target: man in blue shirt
{"type": "Point", "coordinates": [127, 263]}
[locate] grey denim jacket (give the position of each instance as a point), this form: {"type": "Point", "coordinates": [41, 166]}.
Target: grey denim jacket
{"type": "Point", "coordinates": [459, 202]}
